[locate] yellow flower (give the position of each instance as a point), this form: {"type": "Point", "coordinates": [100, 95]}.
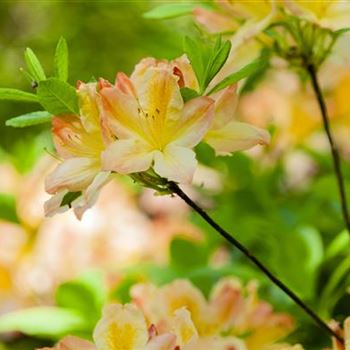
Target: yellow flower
{"type": "Point", "coordinates": [152, 125]}
{"type": "Point", "coordinates": [78, 141]}
{"type": "Point", "coordinates": [333, 14]}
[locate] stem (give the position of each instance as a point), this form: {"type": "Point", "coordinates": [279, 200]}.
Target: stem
{"type": "Point", "coordinates": [334, 150]}
{"type": "Point", "coordinates": [176, 189]}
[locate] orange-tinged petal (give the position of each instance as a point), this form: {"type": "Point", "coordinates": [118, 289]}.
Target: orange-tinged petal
{"type": "Point", "coordinates": [89, 112]}
{"type": "Point", "coordinates": [225, 106]}
{"type": "Point", "coordinates": [72, 343]}
{"type": "Point", "coordinates": [120, 113]}
{"type": "Point", "coordinates": [122, 327]}
{"type": "Point", "coordinates": [195, 121]}
{"type": "Point", "coordinates": [187, 72]}
{"type": "Point", "coordinates": [214, 22]}
{"type": "Point", "coordinates": [72, 140]}
{"type": "Point", "coordinates": [127, 156]}
{"type": "Point", "coordinates": [124, 84]}
{"type": "Point", "coordinates": [165, 341]}
{"type": "Point", "coordinates": [74, 174]}
{"type": "Point", "coordinates": [236, 136]}
{"type": "Point", "coordinates": [159, 96]}
{"type": "Point", "coordinates": [175, 163]}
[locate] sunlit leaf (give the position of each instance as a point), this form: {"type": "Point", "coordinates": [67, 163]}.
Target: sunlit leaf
{"type": "Point", "coordinates": [17, 95]}
{"type": "Point", "coordinates": [61, 60]}
{"type": "Point", "coordinates": [51, 322]}
{"type": "Point", "coordinates": [8, 207]}
{"type": "Point", "coordinates": [29, 119]}
{"type": "Point", "coordinates": [188, 94]}
{"type": "Point", "coordinates": [170, 11]}
{"type": "Point", "coordinates": [34, 65]}
{"type": "Point", "coordinates": [58, 97]}
{"type": "Point", "coordinates": [244, 72]}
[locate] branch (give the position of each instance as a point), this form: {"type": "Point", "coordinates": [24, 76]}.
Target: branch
{"type": "Point", "coordinates": [176, 189]}
{"type": "Point", "coordinates": [334, 150]}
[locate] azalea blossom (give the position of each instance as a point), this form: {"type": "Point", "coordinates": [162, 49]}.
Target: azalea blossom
{"type": "Point", "coordinates": [79, 143]}
{"type": "Point", "coordinates": [333, 14]}
{"type": "Point", "coordinates": [231, 309]}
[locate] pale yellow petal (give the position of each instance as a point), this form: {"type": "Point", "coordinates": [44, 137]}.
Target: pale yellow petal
{"type": "Point", "coordinates": [175, 163]}
{"type": "Point", "coordinates": [187, 73]}
{"type": "Point", "coordinates": [195, 121]}
{"type": "Point", "coordinates": [236, 136]}
{"type": "Point", "coordinates": [74, 174]}
{"type": "Point", "coordinates": [127, 156]}
{"type": "Point", "coordinates": [347, 333]}
{"type": "Point", "coordinates": [214, 22]}
{"type": "Point", "coordinates": [225, 106]}
{"type": "Point", "coordinates": [53, 205]}
{"type": "Point", "coordinates": [89, 112]}
{"type": "Point", "coordinates": [183, 327]}
{"type": "Point", "coordinates": [71, 139]}
{"type": "Point", "coordinates": [122, 327]}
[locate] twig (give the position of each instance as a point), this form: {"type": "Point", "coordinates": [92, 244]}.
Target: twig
{"type": "Point", "coordinates": [176, 189]}
{"type": "Point", "coordinates": [334, 150]}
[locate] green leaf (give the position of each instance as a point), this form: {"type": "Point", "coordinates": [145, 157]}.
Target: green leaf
{"type": "Point", "coordinates": [220, 53]}
{"type": "Point", "coordinates": [341, 31]}
{"type": "Point", "coordinates": [188, 94]}
{"type": "Point", "coordinates": [186, 254]}
{"type": "Point", "coordinates": [194, 52]}
{"type": "Point", "coordinates": [69, 198]}
{"type": "Point", "coordinates": [8, 208]}
{"type": "Point", "coordinates": [85, 294]}
{"type": "Point", "coordinates": [61, 60]}
{"type": "Point", "coordinates": [58, 97]}
{"type": "Point", "coordinates": [17, 95]}
{"type": "Point", "coordinates": [244, 72]}
{"type": "Point", "coordinates": [29, 119]}
{"type": "Point", "coordinates": [34, 65]}
{"type": "Point", "coordinates": [339, 244]}
{"type": "Point", "coordinates": [170, 11]}
{"type": "Point", "coordinates": [51, 322]}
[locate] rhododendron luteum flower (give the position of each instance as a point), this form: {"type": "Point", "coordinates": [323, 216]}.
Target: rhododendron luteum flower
{"type": "Point", "coordinates": [154, 127]}
{"type": "Point", "coordinates": [78, 141]}
{"type": "Point", "coordinates": [178, 317]}
{"type": "Point", "coordinates": [231, 310]}
{"type": "Point", "coordinates": [152, 124]}
{"type": "Point", "coordinates": [228, 18]}
{"type": "Point", "coordinates": [333, 14]}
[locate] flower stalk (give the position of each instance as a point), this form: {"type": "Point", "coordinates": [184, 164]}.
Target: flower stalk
{"type": "Point", "coordinates": [311, 69]}
{"type": "Point", "coordinates": [174, 188]}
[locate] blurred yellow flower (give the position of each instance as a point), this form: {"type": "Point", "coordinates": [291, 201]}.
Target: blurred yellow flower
{"type": "Point", "coordinates": [333, 14]}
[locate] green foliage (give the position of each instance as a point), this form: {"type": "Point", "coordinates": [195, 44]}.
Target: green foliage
{"type": "Point", "coordinates": [17, 95]}
{"type": "Point", "coordinates": [185, 254]}
{"type": "Point", "coordinates": [58, 97]}
{"type": "Point", "coordinates": [45, 321]}
{"type": "Point", "coordinates": [242, 73]}
{"type": "Point", "coordinates": [29, 119]}
{"type": "Point", "coordinates": [170, 11]}
{"type": "Point", "coordinates": [188, 94]}
{"type": "Point", "coordinates": [34, 66]}
{"type": "Point", "coordinates": [8, 207]}
{"type": "Point", "coordinates": [85, 295]}
{"type": "Point", "coordinates": [69, 198]}
{"type": "Point", "coordinates": [206, 61]}
{"type": "Point", "coordinates": [61, 60]}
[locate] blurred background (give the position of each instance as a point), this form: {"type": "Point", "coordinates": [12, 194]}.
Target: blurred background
{"type": "Point", "coordinates": [281, 201]}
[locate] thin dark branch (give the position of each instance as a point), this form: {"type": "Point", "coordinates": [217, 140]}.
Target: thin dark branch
{"type": "Point", "coordinates": [334, 150]}
{"type": "Point", "coordinates": [176, 189]}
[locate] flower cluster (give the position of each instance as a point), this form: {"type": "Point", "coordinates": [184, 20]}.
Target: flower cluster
{"type": "Point", "coordinates": [137, 124]}
{"type": "Point", "coordinates": [177, 316]}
